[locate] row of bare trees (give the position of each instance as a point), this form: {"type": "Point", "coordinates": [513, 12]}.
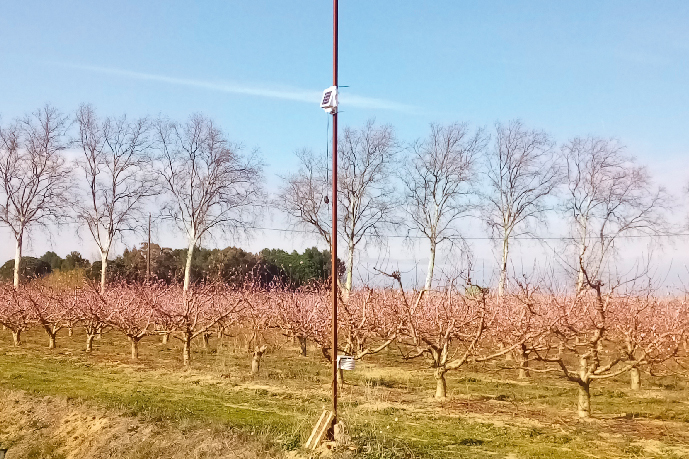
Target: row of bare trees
{"type": "Point", "coordinates": [513, 180]}
{"type": "Point", "coordinates": [105, 176]}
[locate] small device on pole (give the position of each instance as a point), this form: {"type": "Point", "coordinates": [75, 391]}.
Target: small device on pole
{"type": "Point", "coordinates": [346, 362]}
{"type": "Point", "coordinates": [329, 100]}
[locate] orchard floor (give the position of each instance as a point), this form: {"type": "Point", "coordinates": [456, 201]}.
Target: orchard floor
{"type": "Point", "coordinates": [65, 403]}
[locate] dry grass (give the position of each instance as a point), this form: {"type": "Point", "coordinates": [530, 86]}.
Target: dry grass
{"type": "Point", "coordinates": [67, 403]}
{"type": "Point", "coordinates": [54, 427]}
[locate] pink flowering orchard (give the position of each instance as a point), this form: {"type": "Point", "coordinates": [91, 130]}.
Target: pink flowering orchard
{"type": "Point", "coordinates": [585, 337]}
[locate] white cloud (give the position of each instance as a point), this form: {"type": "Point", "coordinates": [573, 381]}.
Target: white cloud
{"type": "Point", "coordinates": [286, 93]}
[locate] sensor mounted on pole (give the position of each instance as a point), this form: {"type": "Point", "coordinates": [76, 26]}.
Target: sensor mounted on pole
{"type": "Point", "coordinates": [329, 100]}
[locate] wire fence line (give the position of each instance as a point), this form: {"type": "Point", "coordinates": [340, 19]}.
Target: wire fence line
{"type": "Point", "coordinates": [484, 238]}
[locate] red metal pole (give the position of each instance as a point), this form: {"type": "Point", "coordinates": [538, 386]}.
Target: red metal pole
{"type": "Point", "coordinates": [333, 236]}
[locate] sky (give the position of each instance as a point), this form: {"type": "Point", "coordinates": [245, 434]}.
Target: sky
{"type": "Point", "coordinates": [608, 68]}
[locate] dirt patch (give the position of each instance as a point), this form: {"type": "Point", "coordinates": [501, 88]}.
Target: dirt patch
{"type": "Point", "coordinates": [55, 428]}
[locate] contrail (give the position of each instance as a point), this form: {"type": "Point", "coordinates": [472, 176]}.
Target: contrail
{"type": "Point", "coordinates": [293, 94]}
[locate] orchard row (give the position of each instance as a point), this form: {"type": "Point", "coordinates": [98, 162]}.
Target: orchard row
{"type": "Point", "coordinates": [584, 337]}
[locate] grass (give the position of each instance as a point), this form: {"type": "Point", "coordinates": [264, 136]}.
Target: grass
{"type": "Point", "coordinates": [386, 402]}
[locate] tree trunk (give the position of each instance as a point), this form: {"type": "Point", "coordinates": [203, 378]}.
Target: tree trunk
{"type": "Point", "coordinates": [187, 267]}
{"type": "Point", "coordinates": [503, 267]}
{"type": "Point", "coordinates": [135, 347]}
{"type": "Point", "coordinates": [186, 350]}
{"type": "Point", "coordinates": [206, 343]}
{"type": "Point", "coordinates": [523, 357]}
{"type": "Point", "coordinates": [103, 270]}
{"type": "Point", "coordinates": [580, 261]}
{"type": "Point", "coordinates": [635, 377]}
{"type": "Point", "coordinates": [431, 267]}
{"type": "Point", "coordinates": [580, 280]}
{"type": "Point", "coordinates": [302, 345]}
{"type": "Point", "coordinates": [256, 360]}
{"type": "Point", "coordinates": [166, 337]}
{"type": "Point", "coordinates": [255, 364]}
{"type": "Point", "coordinates": [70, 332]}
{"type": "Point", "coordinates": [350, 268]}
{"type": "Point", "coordinates": [18, 257]}
{"type": "Point", "coordinates": [250, 341]}
{"type": "Point", "coordinates": [17, 337]}
{"type": "Point", "coordinates": [51, 340]}
{"type": "Point", "coordinates": [441, 384]}
{"type": "Point", "coordinates": [584, 405]}
{"type": "Point", "coordinates": [89, 342]}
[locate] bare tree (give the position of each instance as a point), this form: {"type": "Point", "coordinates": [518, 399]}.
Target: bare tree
{"type": "Point", "coordinates": [608, 196]}
{"type": "Point", "coordinates": [521, 172]}
{"type": "Point", "coordinates": [604, 332]}
{"type": "Point", "coordinates": [35, 179]}
{"type": "Point", "coordinates": [366, 196]}
{"type": "Point", "coordinates": [304, 195]}
{"type": "Point", "coordinates": [210, 186]}
{"type": "Point", "coordinates": [118, 175]}
{"type": "Point", "coordinates": [437, 178]}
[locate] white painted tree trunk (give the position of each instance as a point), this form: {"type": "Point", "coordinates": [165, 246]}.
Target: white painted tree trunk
{"type": "Point", "coordinates": [503, 266]}
{"type": "Point", "coordinates": [103, 270]}
{"type": "Point", "coordinates": [431, 267]}
{"type": "Point", "coordinates": [256, 360]}
{"type": "Point", "coordinates": [187, 268]}
{"type": "Point", "coordinates": [582, 251]}
{"type": "Point", "coordinates": [580, 280]}
{"type": "Point", "coordinates": [523, 359]}
{"type": "Point", "coordinates": [186, 350]}
{"type": "Point", "coordinates": [51, 340]}
{"type": "Point", "coordinates": [350, 267]}
{"type": "Point", "coordinates": [18, 258]}
{"type": "Point", "coordinates": [580, 271]}
{"type": "Point", "coordinates": [135, 347]}
{"type": "Point", "coordinates": [584, 405]}
{"type": "Point", "coordinates": [635, 378]}
{"type": "Point", "coordinates": [441, 383]}
{"type": "Point", "coordinates": [89, 342]}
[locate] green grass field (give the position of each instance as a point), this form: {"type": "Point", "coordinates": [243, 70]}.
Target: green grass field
{"type": "Point", "coordinates": [386, 403]}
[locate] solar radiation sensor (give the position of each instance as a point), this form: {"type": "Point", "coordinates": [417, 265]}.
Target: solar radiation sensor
{"type": "Point", "coordinates": [329, 100]}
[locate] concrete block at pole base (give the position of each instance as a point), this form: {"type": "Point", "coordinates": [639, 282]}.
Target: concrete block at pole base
{"type": "Point", "coordinates": [321, 429]}
{"type": "Point", "coordinates": [340, 434]}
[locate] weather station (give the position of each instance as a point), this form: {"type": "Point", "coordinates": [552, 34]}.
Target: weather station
{"type": "Point", "coordinates": [328, 426]}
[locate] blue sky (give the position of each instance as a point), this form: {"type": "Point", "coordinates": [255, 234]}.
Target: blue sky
{"type": "Point", "coordinates": [610, 68]}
